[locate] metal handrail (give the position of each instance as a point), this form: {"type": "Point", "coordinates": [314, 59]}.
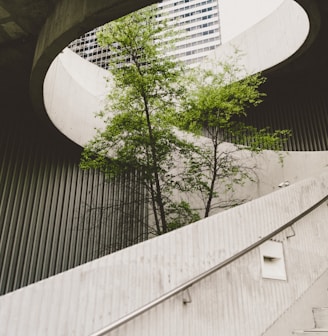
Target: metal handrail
{"type": "Point", "coordinates": [203, 275]}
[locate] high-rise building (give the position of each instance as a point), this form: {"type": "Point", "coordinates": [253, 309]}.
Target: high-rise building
{"type": "Point", "coordinates": [197, 22]}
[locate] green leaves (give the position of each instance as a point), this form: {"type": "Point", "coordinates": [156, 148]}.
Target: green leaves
{"type": "Point", "coordinates": [139, 134]}
{"type": "Point", "coordinates": [151, 97]}
{"type": "Point", "coordinates": [180, 214]}
{"type": "Point", "coordinates": [219, 98]}
{"type": "Point", "coordinates": [216, 107]}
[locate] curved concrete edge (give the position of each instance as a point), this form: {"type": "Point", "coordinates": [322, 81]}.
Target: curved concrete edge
{"type": "Point", "coordinates": [260, 10]}
{"type": "Point", "coordinates": [271, 41]}
{"type": "Point", "coordinates": [74, 89]}
{"type": "Point", "coordinates": [70, 19]}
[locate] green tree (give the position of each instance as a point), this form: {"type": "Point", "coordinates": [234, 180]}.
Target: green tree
{"type": "Point", "coordinates": [145, 110]}
{"type": "Point", "coordinates": [216, 107]}
{"type": "Point", "coordinates": [145, 91]}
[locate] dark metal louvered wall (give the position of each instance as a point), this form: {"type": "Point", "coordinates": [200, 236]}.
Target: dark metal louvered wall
{"type": "Point", "coordinates": [54, 216]}
{"type": "Point", "coordinates": [305, 115]}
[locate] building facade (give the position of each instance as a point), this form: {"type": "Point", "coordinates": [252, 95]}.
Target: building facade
{"type": "Point", "coordinates": [197, 23]}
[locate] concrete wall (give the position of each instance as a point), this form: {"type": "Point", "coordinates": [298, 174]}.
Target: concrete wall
{"type": "Point", "coordinates": [271, 173]}
{"type": "Point", "coordinates": [271, 41]}
{"type": "Point", "coordinates": [74, 91]}
{"type": "Point", "coordinates": [245, 13]}
{"type": "Point", "coordinates": [299, 316]}
{"type": "Point", "coordinates": [234, 301]}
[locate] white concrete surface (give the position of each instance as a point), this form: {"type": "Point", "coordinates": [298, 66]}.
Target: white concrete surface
{"type": "Point", "coordinates": [233, 301]}
{"type": "Point", "coordinates": [236, 16]}
{"type": "Point", "coordinates": [300, 315]}
{"type": "Point", "coordinates": [74, 91]}
{"type": "Point", "coordinates": [269, 42]}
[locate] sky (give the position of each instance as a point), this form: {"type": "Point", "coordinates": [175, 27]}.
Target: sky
{"type": "Point", "coordinates": [238, 15]}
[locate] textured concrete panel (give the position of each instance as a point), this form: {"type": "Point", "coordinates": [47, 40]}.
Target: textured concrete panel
{"type": "Point", "coordinates": [233, 301]}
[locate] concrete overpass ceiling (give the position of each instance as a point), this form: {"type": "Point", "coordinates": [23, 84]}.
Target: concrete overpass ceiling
{"type": "Point", "coordinates": [21, 18]}
{"type": "Point", "coordinates": [20, 23]}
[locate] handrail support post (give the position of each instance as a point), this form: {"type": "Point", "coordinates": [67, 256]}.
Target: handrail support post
{"type": "Point", "coordinates": [186, 299]}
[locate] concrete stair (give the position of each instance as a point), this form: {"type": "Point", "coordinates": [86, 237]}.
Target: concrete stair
{"type": "Point", "coordinates": [320, 316]}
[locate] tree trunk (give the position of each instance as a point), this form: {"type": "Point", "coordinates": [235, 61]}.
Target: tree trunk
{"type": "Point", "coordinates": [214, 174]}
{"type": "Point", "coordinates": [158, 193]}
